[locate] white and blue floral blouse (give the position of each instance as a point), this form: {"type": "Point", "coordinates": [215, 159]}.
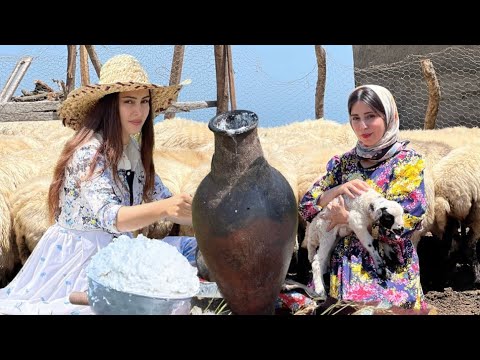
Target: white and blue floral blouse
{"type": "Point", "coordinates": [93, 204]}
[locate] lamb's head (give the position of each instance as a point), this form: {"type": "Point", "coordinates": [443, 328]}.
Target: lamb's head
{"type": "Point", "coordinates": [388, 213]}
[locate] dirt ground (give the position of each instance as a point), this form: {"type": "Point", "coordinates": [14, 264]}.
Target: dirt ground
{"type": "Point", "coordinates": [451, 302]}
{"type": "Point", "coordinates": [447, 281]}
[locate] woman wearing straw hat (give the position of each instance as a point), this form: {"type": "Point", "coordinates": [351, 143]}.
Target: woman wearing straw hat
{"type": "Point", "coordinates": [104, 185]}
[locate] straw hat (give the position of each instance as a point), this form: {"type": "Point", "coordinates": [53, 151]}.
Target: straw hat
{"type": "Point", "coordinates": [120, 73]}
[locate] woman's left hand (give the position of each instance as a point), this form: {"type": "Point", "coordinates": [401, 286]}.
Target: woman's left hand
{"type": "Point", "coordinates": [337, 213]}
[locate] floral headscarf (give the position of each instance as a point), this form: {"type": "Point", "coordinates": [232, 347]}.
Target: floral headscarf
{"type": "Point", "coordinates": [388, 145]}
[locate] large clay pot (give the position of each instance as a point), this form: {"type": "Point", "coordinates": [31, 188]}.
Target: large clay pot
{"type": "Point", "coordinates": [245, 217]}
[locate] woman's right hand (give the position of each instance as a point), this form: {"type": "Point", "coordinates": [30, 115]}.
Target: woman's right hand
{"type": "Point", "coordinates": [353, 188]}
{"type": "Point", "coordinates": [179, 209]}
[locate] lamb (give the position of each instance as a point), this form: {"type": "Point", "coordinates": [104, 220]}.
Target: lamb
{"type": "Point", "coordinates": [364, 210]}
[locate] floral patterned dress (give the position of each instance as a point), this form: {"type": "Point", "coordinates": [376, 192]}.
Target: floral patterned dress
{"type": "Point", "coordinates": [352, 273]}
{"type": "Point", "coordinates": [86, 223]}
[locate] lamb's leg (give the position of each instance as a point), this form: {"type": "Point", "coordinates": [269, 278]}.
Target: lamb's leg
{"type": "Point", "coordinates": [321, 260]}
{"type": "Point", "coordinates": [312, 248]}
{"type": "Point", "coordinates": [388, 251]}
{"type": "Point", "coordinates": [317, 272]}
{"type": "Point", "coordinates": [311, 238]}
{"type": "Point", "coordinates": [367, 241]}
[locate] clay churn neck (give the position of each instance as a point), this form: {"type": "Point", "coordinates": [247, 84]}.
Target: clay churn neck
{"type": "Point", "coordinates": [236, 140]}
{"type": "Point", "coordinates": [245, 217]}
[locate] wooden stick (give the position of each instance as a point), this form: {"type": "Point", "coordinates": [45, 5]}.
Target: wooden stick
{"type": "Point", "coordinates": [62, 86]}
{"type": "Point", "coordinates": [50, 96]}
{"type": "Point", "coordinates": [94, 59]}
{"type": "Point", "coordinates": [176, 70]}
{"type": "Point", "coordinates": [231, 79]}
{"type": "Point", "coordinates": [71, 64]}
{"type": "Point", "coordinates": [35, 97]}
{"type": "Point", "coordinates": [26, 107]}
{"type": "Point", "coordinates": [84, 71]}
{"type": "Point", "coordinates": [31, 116]}
{"type": "Point", "coordinates": [41, 86]}
{"type": "Point", "coordinates": [15, 77]}
{"type": "Point", "coordinates": [433, 94]}
{"type": "Point", "coordinates": [222, 91]}
{"type": "Point", "coordinates": [321, 80]}
{"type": "Point", "coordinates": [26, 110]}
{"type": "Point", "coordinates": [189, 106]}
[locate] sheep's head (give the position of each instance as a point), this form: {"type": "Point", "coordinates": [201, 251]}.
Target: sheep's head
{"type": "Point", "coordinates": [442, 211]}
{"type": "Point", "coordinates": [388, 213]}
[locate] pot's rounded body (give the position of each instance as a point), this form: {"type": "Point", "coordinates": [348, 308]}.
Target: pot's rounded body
{"type": "Point", "coordinates": [245, 217]}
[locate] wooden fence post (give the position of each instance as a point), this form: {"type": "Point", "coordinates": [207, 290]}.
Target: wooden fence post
{"type": "Point", "coordinates": [94, 58]}
{"type": "Point", "coordinates": [176, 71]}
{"type": "Point", "coordinates": [71, 64]}
{"type": "Point", "coordinates": [222, 90]}
{"type": "Point", "coordinates": [321, 80]}
{"type": "Point", "coordinates": [231, 79]}
{"type": "Point", "coordinates": [84, 71]}
{"type": "Point", "coordinates": [433, 94]}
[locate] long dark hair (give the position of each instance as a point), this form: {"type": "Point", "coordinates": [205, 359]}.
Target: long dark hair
{"type": "Point", "coordinates": [369, 97]}
{"type": "Point", "coordinates": [104, 117]}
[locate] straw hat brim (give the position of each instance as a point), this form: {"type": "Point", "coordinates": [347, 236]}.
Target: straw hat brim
{"type": "Point", "coordinates": [79, 102]}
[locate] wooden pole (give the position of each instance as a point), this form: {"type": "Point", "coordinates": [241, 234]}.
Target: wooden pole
{"type": "Point", "coordinates": [189, 106]}
{"type": "Point", "coordinates": [222, 94]}
{"type": "Point", "coordinates": [14, 80]}
{"type": "Point", "coordinates": [84, 72]}
{"type": "Point", "coordinates": [94, 59]}
{"type": "Point", "coordinates": [176, 71]}
{"type": "Point", "coordinates": [321, 80]}
{"type": "Point", "coordinates": [433, 94]}
{"type": "Point", "coordinates": [231, 79]}
{"type": "Point", "coordinates": [71, 64]}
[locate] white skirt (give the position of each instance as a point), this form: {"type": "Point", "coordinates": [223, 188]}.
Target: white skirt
{"type": "Point", "coordinates": [54, 269]}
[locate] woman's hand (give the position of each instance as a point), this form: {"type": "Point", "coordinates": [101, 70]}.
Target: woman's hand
{"type": "Point", "coordinates": [179, 209]}
{"type": "Point", "coordinates": [337, 213]}
{"type": "Point", "coordinates": [353, 188]}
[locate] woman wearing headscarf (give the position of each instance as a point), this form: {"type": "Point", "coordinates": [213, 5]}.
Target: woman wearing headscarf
{"type": "Point", "coordinates": [381, 162]}
{"type": "Point", "coordinates": [104, 185]}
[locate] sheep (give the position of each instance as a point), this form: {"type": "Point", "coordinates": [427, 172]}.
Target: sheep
{"type": "Point", "coordinates": [178, 170]}
{"type": "Point", "coordinates": [16, 169]}
{"type": "Point", "coordinates": [8, 253]}
{"type": "Point", "coordinates": [457, 196]}
{"type": "Point", "coordinates": [455, 137]}
{"type": "Point", "coordinates": [182, 133]}
{"type": "Point", "coordinates": [325, 132]}
{"type": "Point", "coordinates": [29, 211]}
{"type": "Point", "coordinates": [47, 132]}
{"type": "Point", "coordinates": [364, 210]}
{"type": "Point", "coordinates": [11, 144]}
{"type": "Point", "coordinates": [174, 165]}
{"type": "Point", "coordinates": [19, 167]}
{"type": "Point", "coordinates": [432, 152]}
